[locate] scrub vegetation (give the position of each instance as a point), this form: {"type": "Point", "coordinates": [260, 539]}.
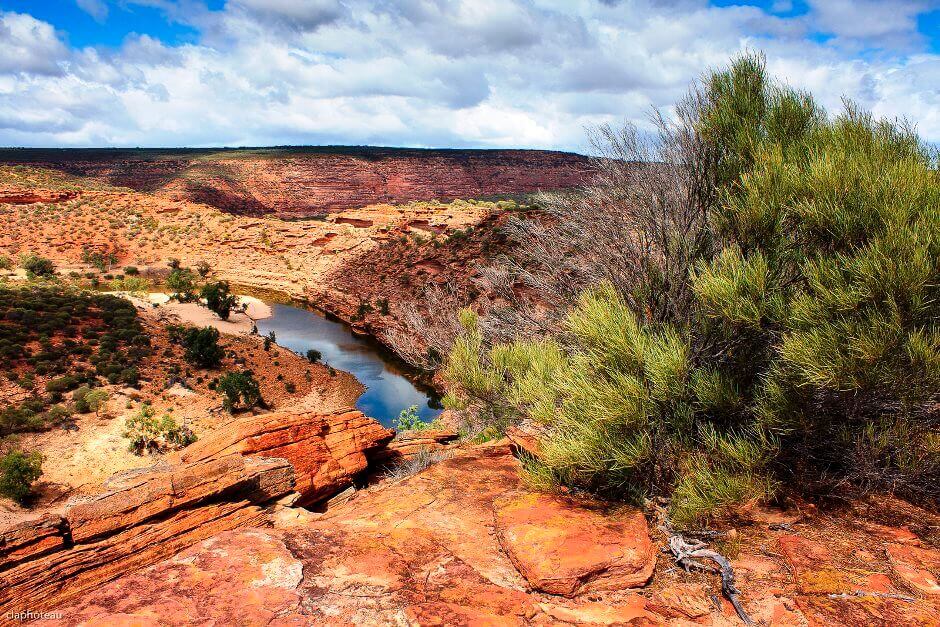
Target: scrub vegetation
{"type": "Point", "coordinates": [756, 307]}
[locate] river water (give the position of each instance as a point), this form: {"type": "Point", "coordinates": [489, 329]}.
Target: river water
{"type": "Point", "coordinates": [388, 391]}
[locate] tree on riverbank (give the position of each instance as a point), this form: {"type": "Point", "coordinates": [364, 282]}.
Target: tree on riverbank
{"type": "Point", "coordinates": [758, 306]}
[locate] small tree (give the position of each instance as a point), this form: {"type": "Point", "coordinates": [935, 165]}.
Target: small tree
{"type": "Point", "coordinates": [147, 433]}
{"type": "Point", "coordinates": [218, 299]}
{"type": "Point", "coordinates": [37, 266]}
{"type": "Point", "coordinates": [313, 355]}
{"type": "Point", "coordinates": [18, 471]}
{"type": "Point", "coordinates": [238, 389]}
{"type": "Point", "coordinates": [203, 269]}
{"type": "Point", "coordinates": [269, 339]}
{"type": "Point", "coordinates": [202, 347]}
{"type": "Point", "coordinates": [183, 283]}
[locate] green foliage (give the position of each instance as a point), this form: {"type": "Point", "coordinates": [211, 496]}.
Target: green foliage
{"type": "Point", "coordinates": [58, 339]}
{"type": "Point", "coordinates": [218, 299]}
{"type": "Point", "coordinates": [409, 420]}
{"type": "Point", "coordinates": [202, 347]}
{"type": "Point", "coordinates": [37, 266]}
{"type": "Point", "coordinates": [18, 471]}
{"type": "Point", "coordinates": [85, 399]}
{"type": "Point", "coordinates": [238, 390]}
{"type": "Point", "coordinates": [102, 260]}
{"type": "Point", "coordinates": [132, 284]}
{"type": "Point", "coordinates": [809, 350]}
{"type": "Point", "coordinates": [269, 339]}
{"type": "Point", "coordinates": [313, 355]}
{"type": "Point", "coordinates": [183, 283]}
{"type": "Point", "coordinates": [5, 263]}
{"type": "Point", "coordinates": [150, 434]}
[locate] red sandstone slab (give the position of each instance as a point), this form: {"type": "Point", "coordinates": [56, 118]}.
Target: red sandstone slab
{"type": "Point", "coordinates": [916, 566]}
{"type": "Point", "coordinates": [562, 547]}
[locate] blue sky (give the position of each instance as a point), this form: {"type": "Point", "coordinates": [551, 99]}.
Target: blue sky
{"type": "Point", "coordinates": [482, 73]}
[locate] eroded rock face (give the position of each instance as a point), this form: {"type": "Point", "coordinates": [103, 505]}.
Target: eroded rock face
{"type": "Point", "coordinates": [407, 444]}
{"type": "Point", "coordinates": [148, 516]}
{"type": "Point", "coordinates": [309, 182]}
{"type": "Point", "coordinates": [33, 196]}
{"type": "Point", "coordinates": [326, 450]}
{"type": "Point", "coordinates": [423, 551]}
{"type": "Point", "coordinates": [434, 549]}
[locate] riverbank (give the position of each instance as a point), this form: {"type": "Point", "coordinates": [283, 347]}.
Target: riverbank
{"type": "Point", "coordinates": [196, 314]}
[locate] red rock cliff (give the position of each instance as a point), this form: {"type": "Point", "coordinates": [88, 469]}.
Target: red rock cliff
{"type": "Point", "coordinates": [308, 181]}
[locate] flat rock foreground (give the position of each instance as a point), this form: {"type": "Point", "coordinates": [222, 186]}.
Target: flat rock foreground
{"type": "Point", "coordinates": [214, 537]}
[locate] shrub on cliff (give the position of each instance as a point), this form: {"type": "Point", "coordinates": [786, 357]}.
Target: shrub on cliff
{"type": "Point", "coordinates": [149, 434]}
{"type": "Point", "coordinates": [202, 347]}
{"type": "Point", "coordinates": [238, 390]}
{"type": "Point", "coordinates": [770, 315]}
{"type": "Point", "coordinates": [18, 471]}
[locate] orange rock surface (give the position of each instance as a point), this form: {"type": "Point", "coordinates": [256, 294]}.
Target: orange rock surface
{"type": "Point", "coordinates": [431, 550]}
{"type": "Point", "coordinates": [566, 547]}
{"type": "Point", "coordinates": [325, 450]}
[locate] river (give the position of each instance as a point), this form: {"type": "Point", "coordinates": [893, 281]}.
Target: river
{"type": "Point", "coordinates": [388, 391]}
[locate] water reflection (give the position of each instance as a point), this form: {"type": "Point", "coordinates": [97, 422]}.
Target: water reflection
{"type": "Point", "coordinates": [387, 391]}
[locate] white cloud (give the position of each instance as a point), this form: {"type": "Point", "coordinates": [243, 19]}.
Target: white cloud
{"type": "Point", "coordinates": [29, 46]}
{"type": "Point", "coordinates": [528, 73]}
{"type": "Point", "coordinates": [98, 9]}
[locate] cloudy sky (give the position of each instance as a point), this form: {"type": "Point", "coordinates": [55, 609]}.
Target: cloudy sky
{"type": "Point", "coordinates": [442, 73]}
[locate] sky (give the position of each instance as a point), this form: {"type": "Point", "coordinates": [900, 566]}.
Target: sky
{"type": "Point", "coordinates": [431, 73]}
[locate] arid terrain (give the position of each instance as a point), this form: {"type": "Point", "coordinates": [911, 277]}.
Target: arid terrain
{"type": "Point", "coordinates": [283, 514]}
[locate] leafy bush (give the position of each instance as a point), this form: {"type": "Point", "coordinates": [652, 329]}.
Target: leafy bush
{"type": "Point", "coordinates": [18, 471]}
{"type": "Point", "coordinates": [313, 356]}
{"type": "Point", "coordinates": [132, 284]}
{"type": "Point", "coordinates": [183, 283]}
{"type": "Point", "coordinates": [147, 433]}
{"type": "Point", "coordinates": [37, 266]}
{"type": "Point", "coordinates": [238, 390]}
{"type": "Point", "coordinates": [218, 299]}
{"type": "Point", "coordinates": [409, 420]}
{"type": "Point", "coordinates": [202, 347]}
{"type": "Point", "coordinates": [5, 263]}
{"type": "Point", "coordinates": [785, 332]}
{"type": "Point", "coordinates": [85, 399]}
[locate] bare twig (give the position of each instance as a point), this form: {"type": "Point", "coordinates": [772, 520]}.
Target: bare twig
{"type": "Point", "coordinates": [880, 595]}
{"type": "Point", "coordinates": [685, 554]}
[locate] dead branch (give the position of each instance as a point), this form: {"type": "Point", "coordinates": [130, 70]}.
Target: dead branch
{"type": "Point", "coordinates": [687, 555]}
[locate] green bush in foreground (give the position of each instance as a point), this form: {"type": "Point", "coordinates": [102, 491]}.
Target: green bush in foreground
{"type": "Point", "coordinates": [805, 350]}
{"type": "Point", "coordinates": [18, 471]}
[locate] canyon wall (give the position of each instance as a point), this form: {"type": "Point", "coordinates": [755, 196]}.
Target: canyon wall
{"type": "Point", "coordinates": [306, 182]}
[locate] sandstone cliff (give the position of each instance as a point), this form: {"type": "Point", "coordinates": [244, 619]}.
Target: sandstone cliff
{"type": "Point", "coordinates": [304, 182]}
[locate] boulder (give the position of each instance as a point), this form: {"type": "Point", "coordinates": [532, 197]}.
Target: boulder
{"type": "Point", "coordinates": [326, 450]}
{"type": "Point", "coordinates": [568, 547]}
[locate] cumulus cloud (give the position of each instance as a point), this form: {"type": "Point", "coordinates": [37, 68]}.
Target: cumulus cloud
{"type": "Point", "coordinates": [526, 73]}
{"type": "Point", "coordinates": [29, 46]}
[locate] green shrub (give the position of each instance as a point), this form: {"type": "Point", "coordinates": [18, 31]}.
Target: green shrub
{"type": "Point", "coordinates": [789, 336]}
{"type": "Point", "coordinates": [147, 433]}
{"type": "Point", "coordinates": [37, 266]}
{"type": "Point", "coordinates": [131, 271]}
{"type": "Point", "coordinates": [5, 263]}
{"type": "Point", "coordinates": [183, 283]}
{"type": "Point", "coordinates": [18, 471]}
{"type": "Point", "coordinates": [238, 390]}
{"type": "Point", "coordinates": [218, 299]}
{"type": "Point", "coordinates": [202, 347]}
{"type": "Point", "coordinates": [313, 356]}
{"type": "Point", "coordinates": [409, 420]}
